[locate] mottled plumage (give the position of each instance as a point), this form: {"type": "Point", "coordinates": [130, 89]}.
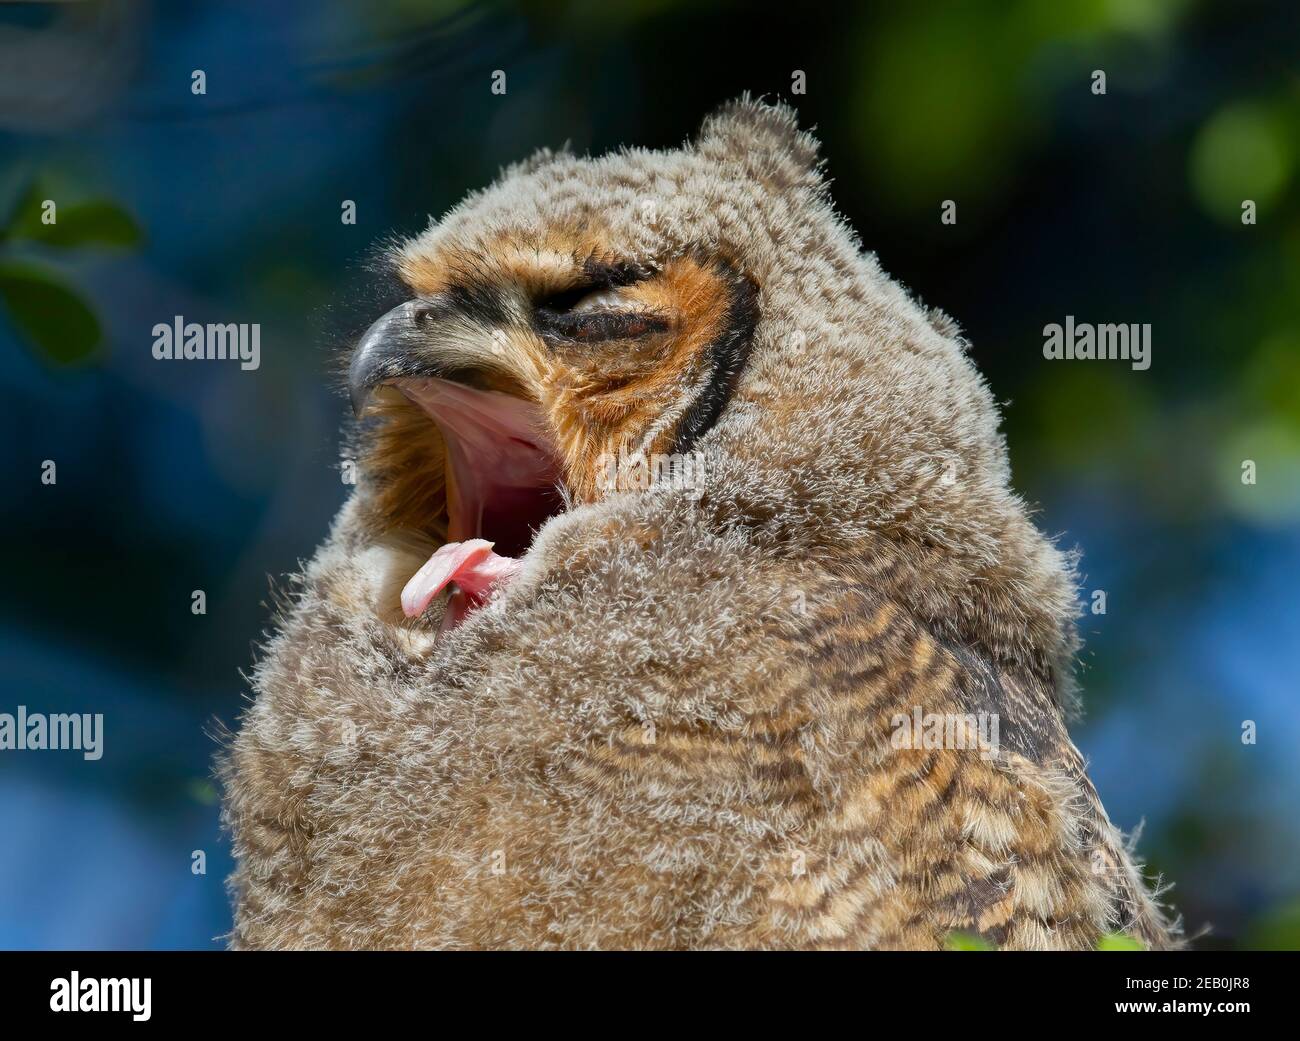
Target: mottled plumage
{"type": "Point", "coordinates": [676, 725]}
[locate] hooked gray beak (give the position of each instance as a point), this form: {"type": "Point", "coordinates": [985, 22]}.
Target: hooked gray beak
{"type": "Point", "coordinates": [389, 349]}
{"type": "Point", "coordinates": [449, 336]}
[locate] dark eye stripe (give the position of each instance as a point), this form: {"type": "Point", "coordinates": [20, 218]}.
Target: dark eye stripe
{"type": "Point", "coordinates": [557, 322]}
{"type": "Point", "coordinates": [596, 275]}
{"type": "Point", "coordinates": [607, 274]}
{"type": "Point", "coordinates": [597, 326]}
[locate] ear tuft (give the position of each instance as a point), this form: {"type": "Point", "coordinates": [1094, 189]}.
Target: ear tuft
{"type": "Point", "coordinates": [750, 128]}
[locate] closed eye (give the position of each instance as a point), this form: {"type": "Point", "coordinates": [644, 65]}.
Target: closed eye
{"type": "Point", "coordinates": [591, 314]}
{"type": "Point", "coordinates": [605, 300]}
{"type": "Point", "coordinates": [597, 325]}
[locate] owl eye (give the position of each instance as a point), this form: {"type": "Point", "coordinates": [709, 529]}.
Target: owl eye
{"type": "Point", "coordinates": [588, 296]}
{"type": "Point", "coordinates": [604, 300]}
{"type": "Point", "coordinates": [595, 314]}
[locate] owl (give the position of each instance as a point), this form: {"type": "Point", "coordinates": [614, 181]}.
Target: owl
{"type": "Point", "coordinates": [681, 601]}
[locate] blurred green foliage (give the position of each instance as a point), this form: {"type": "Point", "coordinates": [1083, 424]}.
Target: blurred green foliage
{"type": "Point", "coordinates": [52, 315]}
{"type": "Point", "coordinates": [950, 93]}
{"type": "Point", "coordinates": [1118, 942]}
{"type": "Point", "coordinates": [55, 319]}
{"type": "Point", "coordinates": [1245, 151]}
{"type": "Point", "coordinates": [1277, 931]}
{"type": "Point", "coordinates": [969, 942]}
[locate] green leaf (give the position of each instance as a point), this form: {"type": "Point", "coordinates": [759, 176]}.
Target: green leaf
{"type": "Point", "coordinates": [95, 222]}
{"type": "Point", "coordinates": [1118, 942]}
{"type": "Point", "coordinates": [967, 942]}
{"type": "Point", "coordinates": [49, 313]}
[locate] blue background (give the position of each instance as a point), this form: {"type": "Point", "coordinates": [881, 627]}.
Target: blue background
{"type": "Point", "coordinates": [171, 478]}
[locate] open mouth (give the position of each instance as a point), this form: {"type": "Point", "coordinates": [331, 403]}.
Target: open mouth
{"type": "Point", "coordinates": [500, 392]}
{"type": "Point", "coordinates": [503, 482]}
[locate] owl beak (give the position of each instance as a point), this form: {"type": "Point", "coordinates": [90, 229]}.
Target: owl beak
{"type": "Point", "coordinates": [439, 337]}
{"type": "Point", "coordinates": [501, 471]}
{"type": "Point", "coordinates": [388, 350]}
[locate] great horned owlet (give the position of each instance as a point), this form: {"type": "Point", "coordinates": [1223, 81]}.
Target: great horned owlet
{"type": "Point", "coordinates": [682, 601]}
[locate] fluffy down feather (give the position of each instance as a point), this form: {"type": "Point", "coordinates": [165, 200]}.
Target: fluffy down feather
{"type": "Point", "coordinates": [673, 728]}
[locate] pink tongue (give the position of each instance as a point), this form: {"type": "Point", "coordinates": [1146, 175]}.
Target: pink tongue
{"type": "Point", "coordinates": [471, 565]}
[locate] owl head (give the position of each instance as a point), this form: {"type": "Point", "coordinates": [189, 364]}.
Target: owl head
{"type": "Point", "coordinates": [585, 331]}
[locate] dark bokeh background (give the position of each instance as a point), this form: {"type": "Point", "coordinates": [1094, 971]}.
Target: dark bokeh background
{"type": "Point", "coordinates": [226, 207]}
